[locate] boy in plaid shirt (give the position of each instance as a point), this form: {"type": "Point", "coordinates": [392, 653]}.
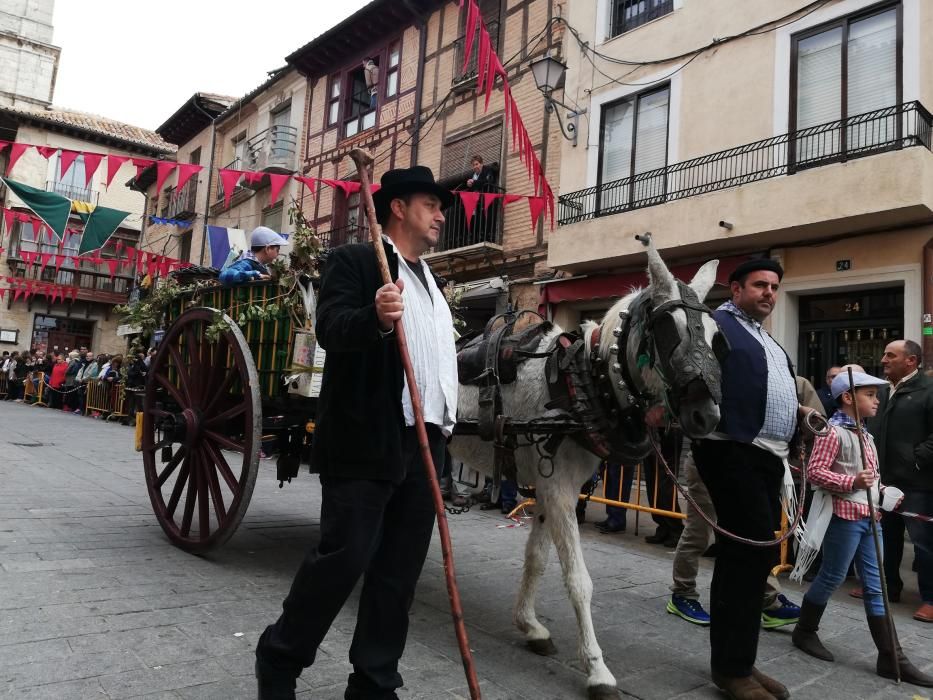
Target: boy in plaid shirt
{"type": "Point", "coordinates": [840, 520]}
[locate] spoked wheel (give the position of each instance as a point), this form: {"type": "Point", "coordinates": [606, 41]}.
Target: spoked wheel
{"type": "Point", "coordinates": [202, 420]}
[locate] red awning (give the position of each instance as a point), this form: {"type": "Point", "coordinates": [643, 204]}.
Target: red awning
{"type": "Point", "coordinates": [617, 286]}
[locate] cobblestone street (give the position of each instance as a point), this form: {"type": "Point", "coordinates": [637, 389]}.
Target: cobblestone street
{"type": "Point", "coordinates": [95, 603]}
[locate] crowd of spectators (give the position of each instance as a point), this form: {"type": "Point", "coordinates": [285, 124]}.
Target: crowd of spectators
{"type": "Point", "coordinates": [65, 376]}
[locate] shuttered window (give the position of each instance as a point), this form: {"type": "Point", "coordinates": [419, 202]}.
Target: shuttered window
{"type": "Point", "coordinates": [844, 70]}
{"type": "Point", "coordinates": [633, 142]}
{"type": "Point", "coordinates": [457, 154]}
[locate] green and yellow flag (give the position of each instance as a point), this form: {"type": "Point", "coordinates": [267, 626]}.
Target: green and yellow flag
{"type": "Point", "coordinates": [100, 223]}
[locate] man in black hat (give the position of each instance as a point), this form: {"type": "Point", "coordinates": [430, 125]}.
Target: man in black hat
{"type": "Point", "coordinates": [377, 514]}
{"type": "Point", "coordinates": [742, 465]}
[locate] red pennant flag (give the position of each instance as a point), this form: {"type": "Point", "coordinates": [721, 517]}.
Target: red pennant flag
{"type": "Point", "coordinates": [163, 169]}
{"type": "Point", "coordinates": [152, 264]}
{"type": "Point", "coordinates": [47, 151]}
{"type": "Point", "coordinates": [509, 198]}
{"type": "Point", "coordinates": [3, 144]}
{"type": "Point", "coordinates": [185, 171]}
{"type": "Point", "coordinates": [310, 184]}
{"type": "Point", "coordinates": [348, 187]}
{"type": "Point", "coordinates": [8, 217]}
{"type": "Point", "coordinates": [165, 266]}
{"type": "Point", "coordinates": [276, 183]}
{"type": "Point", "coordinates": [472, 17]}
{"type": "Point", "coordinates": [112, 264]}
{"type": "Point", "coordinates": [130, 255]}
{"type": "Point", "coordinates": [91, 163]}
{"type": "Point", "coordinates": [16, 150]}
{"type": "Point", "coordinates": [489, 198]}
{"type": "Point", "coordinates": [59, 261]}
{"type": "Point", "coordinates": [17, 293]}
{"type": "Point", "coordinates": [28, 257]}
{"type": "Point", "coordinates": [252, 178]}
{"type": "Point", "coordinates": [36, 228]}
{"type": "Point", "coordinates": [495, 70]}
{"type": "Point", "coordinates": [374, 187]}
{"type": "Point", "coordinates": [535, 206]}
{"type": "Point", "coordinates": [74, 294]}
{"type": "Point", "coordinates": [485, 46]}
{"type": "Point", "coordinates": [23, 217]}
{"type": "Point", "coordinates": [113, 165]}
{"type": "Point", "coordinates": [470, 200]}
{"type": "Point", "coordinates": [51, 235]}
{"type": "Point", "coordinates": [2, 293]}
{"type": "Point", "coordinates": [142, 164]}
{"type": "Point", "coordinates": [44, 260]}
{"type": "Point", "coordinates": [68, 157]}
{"type": "Point", "coordinates": [228, 180]}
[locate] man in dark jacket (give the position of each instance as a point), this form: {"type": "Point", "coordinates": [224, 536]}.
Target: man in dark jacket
{"type": "Point", "coordinates": [376, 514]}
{"type": "Point", "coordinates": [903, 431]}
{"type": "Point", "coordinates": [743, 465]}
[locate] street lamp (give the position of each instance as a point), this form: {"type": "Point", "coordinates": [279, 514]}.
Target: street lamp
{"type": "Point", "coordinates": [548, 72]}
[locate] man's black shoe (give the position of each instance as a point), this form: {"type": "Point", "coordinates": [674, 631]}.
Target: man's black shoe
{"type": "Point", "coordinates": [608, 527]}
{"type": "Point", "coordinates": [273, 686]}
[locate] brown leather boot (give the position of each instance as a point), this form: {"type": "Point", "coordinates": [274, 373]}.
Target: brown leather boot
{"type": "Point", "coordinates": [888, 649]}
{"type": "Point", "coordinates": [741, 687]}
{"type": "Point", "coordinates": [778, 690]}
{"type": "Point", "coordinates": [804, 636]}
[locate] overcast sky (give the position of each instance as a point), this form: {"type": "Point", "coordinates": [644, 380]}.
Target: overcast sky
{"type": "Point", "coordinates": [138, 62]}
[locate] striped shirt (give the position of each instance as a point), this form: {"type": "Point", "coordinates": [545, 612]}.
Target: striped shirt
{"type": "Point", "coordinates": [820, 470]}
{"type": "Point", "coordinates": [781, 407]}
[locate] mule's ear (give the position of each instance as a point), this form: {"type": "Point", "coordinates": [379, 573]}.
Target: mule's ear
{"type": "Point", "coordinates": [704, 279]}
{"type": "Point", "coordinates": [663, 284]}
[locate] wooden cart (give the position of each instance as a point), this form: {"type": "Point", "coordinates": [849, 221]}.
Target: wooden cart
{"type": "Point", "coordinates": [214, 394]}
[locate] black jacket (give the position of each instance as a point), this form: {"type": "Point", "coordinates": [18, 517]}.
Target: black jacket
{"type": "Point", "coordinates": [903, 432]}
{"type": "Point", "coordinates": [359, 420]}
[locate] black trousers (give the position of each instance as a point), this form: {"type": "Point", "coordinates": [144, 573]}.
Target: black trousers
{"type": "Point", "coordinates": [371, 529]}
{"type": "Point", "coordinates": [744, 483]}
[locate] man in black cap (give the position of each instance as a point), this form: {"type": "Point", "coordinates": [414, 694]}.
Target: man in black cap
{"type": "Point", "coordinates": [742, 465]}
{"type": "Point", "coordinates": [377, 514]}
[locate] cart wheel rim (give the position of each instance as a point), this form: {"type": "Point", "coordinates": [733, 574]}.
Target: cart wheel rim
{"type": "Point", "coordinates": [202, 403]}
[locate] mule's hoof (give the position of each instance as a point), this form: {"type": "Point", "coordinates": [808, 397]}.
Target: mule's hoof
{"type": "Point", "coordinates": [542, 647]}
{"type": "Point", "coordinates": [602, 692]}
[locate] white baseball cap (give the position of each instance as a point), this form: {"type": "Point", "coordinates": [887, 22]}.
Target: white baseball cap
{"type": "Point", "coordinates": [840, 383]}
{"type": "Point", "coordinates": [263, 236]}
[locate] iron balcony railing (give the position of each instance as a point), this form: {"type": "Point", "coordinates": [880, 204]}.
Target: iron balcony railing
{"type": "Point", "coordinates": [273, 149]}
{"type": "Point", "coordinates": [485, 226]}
{"type": "Point", "coordinates": [461, 74]}
{"type": "Point", "coordinates": [866, 134]}
{"type": "Point", "coordinates": [182, 203]}
{"type": "Point", "coordinates": [351, 233]}
{"type": "Point", "coordinates": [94, 282]}
{"type": "Point", "coordinates": [81, 194]}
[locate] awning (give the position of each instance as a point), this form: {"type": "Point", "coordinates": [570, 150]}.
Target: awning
{"type": "Point", "coordinates": [616, 286]}
{"type": "Point", "coordinates": [485, 290]}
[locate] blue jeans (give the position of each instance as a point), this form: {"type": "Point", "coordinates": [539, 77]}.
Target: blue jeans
{"type": "Point", "coordinates": [845, 541]}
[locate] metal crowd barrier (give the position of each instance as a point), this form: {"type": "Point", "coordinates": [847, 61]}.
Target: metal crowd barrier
{"type": "Point", "coordinates": [105, 398]}
{"type": "Point", "coordinates": [35, 389]}
{"type": "Point", "coordinates": [4, 386]}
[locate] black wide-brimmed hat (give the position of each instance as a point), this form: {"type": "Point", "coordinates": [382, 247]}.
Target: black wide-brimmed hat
{"type": "Point", "coordinates": [402, 181]}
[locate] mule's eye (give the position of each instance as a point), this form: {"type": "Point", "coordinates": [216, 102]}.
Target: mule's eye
{"type": "Point", "coordinates": [721, 346]}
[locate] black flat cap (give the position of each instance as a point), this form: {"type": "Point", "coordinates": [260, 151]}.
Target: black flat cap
{"type": "Point", "coordinates": [750, 266]}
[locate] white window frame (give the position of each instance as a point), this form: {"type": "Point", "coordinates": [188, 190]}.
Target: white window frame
{"type": "Point", "coordinates": [604, 20]}
{"type": "Point", "coordinates": [782, 53]}
{"type": "Point", "coordinates": [595, 114]}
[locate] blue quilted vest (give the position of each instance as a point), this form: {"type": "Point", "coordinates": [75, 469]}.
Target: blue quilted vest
{"type": "Point", "coordinates": [744, 381]}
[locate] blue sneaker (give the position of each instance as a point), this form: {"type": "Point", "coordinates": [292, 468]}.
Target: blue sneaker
{"type": "Point", "coordinates": [689, 609]}
{"type": "Point", "coordinates": [786, 614]}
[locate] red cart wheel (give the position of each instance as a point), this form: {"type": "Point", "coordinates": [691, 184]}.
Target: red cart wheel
{"type": "Point", "coordinates": [202, 420]}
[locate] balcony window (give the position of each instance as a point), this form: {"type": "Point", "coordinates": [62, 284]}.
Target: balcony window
{"type": "Point", "coordinates": [490, 10]}
{"type": "Point", "coordinates": [72, 184]}
{"type": "Point", "coordinates": [281, 134]}
{"type": "Point", "coordinates": [333, 100]}
{"type": "Point", "coordinates": [633, 148]}
{"type": "Point", "coordinates": [360, 107]}
{"type": "Point", "coordinates": [629, 14]}
{"type": "Point", "coordinates": [240, 147]}
{"type": "Point", "coordinates": [392, 69]}
{"type": "Point", "coordinates": [840, 71]}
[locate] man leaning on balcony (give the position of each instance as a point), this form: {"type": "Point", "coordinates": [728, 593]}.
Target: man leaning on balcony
{"type": "Point", "coordinates": [264, 246]}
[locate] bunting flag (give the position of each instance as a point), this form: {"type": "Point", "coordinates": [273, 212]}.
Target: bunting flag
{"type": "Point", "coordinates": [276, 183]}
{"type": "Point", "coordinates": [91, 163]}
{"type": "Point", "coordinates": [47, 151]}
{"type": "Point", "coordinates": [310, 184]}
{"type": "Point", "coordinates": [469, 200]}
{"type": "Point", "coordinates": [66, 160]}
{"type": "Point", "coordinates": [229, 180]}
{"type": "Point", "coordinates": [113, 165]}
{"type": "Point", "coordinates": [16, 150]}
{"type": "Point", "coordinates": [51, 208]}
{"type": "Point", "coordinates": [185, 172]}
{"type": "Point", "coordinates": [99, 225]}
{"type": "Point", "coordinates": [163, 169]}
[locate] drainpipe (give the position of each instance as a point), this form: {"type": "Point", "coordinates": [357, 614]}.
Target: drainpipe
{"type": "Point", "coordinates": [210, 176]}
{"type": "Point", "coordinates": [927, 332]}
{"type": "Point", "coordinates": [419, 81]}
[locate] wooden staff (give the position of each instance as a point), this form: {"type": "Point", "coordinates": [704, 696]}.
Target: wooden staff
{"type": "Point", "coordinates": [363, 162]}
{"type": "Point", "coordinates": [872, 513]}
